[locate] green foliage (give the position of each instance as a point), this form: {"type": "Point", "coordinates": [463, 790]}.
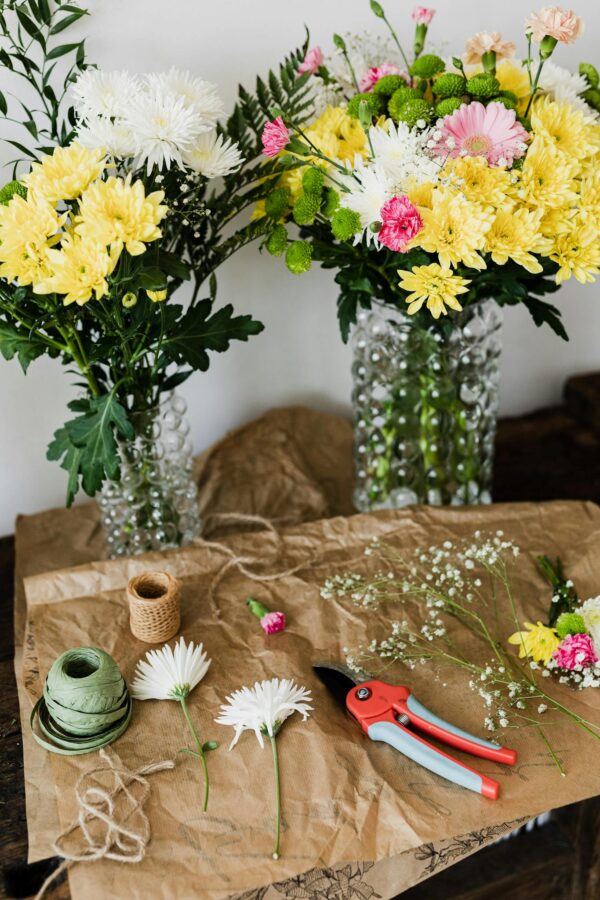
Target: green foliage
{"type": "Point", "coordinates": [345, 223]}
{"type": "Point", "coordinates": [373, 103]}
{"type": "Point", "coordinates": [505, 101]}
{"type": "Point", "coordinates": [449, 85]}
{"type": "Point", "coordinates": [306, 208]}
{"type": "Point", "coordinates": [570, 623]}
{"type": "Point", "coordinates": [427, 66]}
{"type": "Point", "coordinates": [448, 106]}
{"type": "Point", "coordinates": [590, 73]}
{"type": "Point", "coordinates": [592, 96]}
{"type": "Point", "coordinates": [276, 242]}
{"type": "Point", "coordinates": [399, 98]}
{"type": "Point", "coordinates": [87, 445]}
{"type": "Point", "coordinates": [483, 86]}
{"type": "Point", "coordinates": [414, 111]}
{"type": "Point", "coordinates": [298, 257]}
{"type": "Point", "coordinates": [331, 203]}
{"type": "Point", "coordinates": [388, 84]}
{"type": "Point", "coordinates": [313, 181]}
{"type": "Point", "coordinates": [20, 342]}
{"type": "Point", "coordinates": [10, 189]}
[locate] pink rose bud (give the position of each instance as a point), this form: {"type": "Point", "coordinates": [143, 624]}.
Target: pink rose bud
{"type": "Point", "coordinates": [422, 15]}
{"type": "Point", "coordinates": [313, 60]}
{"type": "Point", "coordinates": [271, 622]}
{"type": "Point", "coordinates": [275, 137]}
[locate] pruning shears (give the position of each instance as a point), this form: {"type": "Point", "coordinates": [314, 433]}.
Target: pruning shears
{"type": "Point", "coordinates": [391, 713]}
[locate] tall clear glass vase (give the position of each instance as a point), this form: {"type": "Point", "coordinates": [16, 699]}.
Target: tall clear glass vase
{"type": "Point", "coordinates": [154, 504]}
{"type": "Point", "coordinates": [425, 405]}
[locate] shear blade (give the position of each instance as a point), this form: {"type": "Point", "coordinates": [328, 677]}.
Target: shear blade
{"type": "Point", "coordinates": [336, 679]}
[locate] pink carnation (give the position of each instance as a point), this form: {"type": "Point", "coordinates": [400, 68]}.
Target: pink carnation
{"type": "Point", "coordinates": [422, 15]}
{"type": "Point", "coordinates": [275, 137]}
{"type": "Point", "coordinates": [575, 650]}
{"type": "Point", "coordinates": [561, 24]}
{"type": "Point", "coordinates": [372, 75]}
{"type": "Point", "coordinates": [272, 622]}
{"type": "Point", "coordinates": [401, 222]}
{"type": "Point", "coordinates": [491, 131]}
{"type": "Point", "coordinates": [311, 62]}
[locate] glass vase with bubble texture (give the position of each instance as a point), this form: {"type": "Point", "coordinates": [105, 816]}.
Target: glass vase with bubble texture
{"type": "Point", "coordinates": [425, 403]}
{"type": "Point", "coordinates": [154, 504]}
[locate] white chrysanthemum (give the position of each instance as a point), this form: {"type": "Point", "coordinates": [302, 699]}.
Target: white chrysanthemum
{"type": "Point", "coordinates": [565, 87]}
{"type": "Point", "coordinates": [263, 708]}
{"type": "Point", "coordinates": [198, 95]}
{"type": "Point", "coordinates": [118, 140]}
{"type": "Point", "coordinates": [165, 128]}
{"type": "Point", "coordinates": [590, 613]}
{"type": "Point", "coordinates": [213, 156]}
{"type": "Point", "coordinates": [100, 93]}
{"type": "Point", "coordinates": [168, 674]}
{"type": "Point", "coordinates": [366, 196]}
{"type": "Point", "coordinates": [400, 151]}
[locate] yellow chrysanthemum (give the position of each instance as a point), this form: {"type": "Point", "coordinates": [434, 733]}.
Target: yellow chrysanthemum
{"type": "Point", "coordinates": [547, 177]}
{"type": "Point", "coordinates": [515, 235]}
{"type": "Point", "coordinates": [538, 642]}
{"type": "Point", "coordinates": [117, 212]}
{"type": "Point", "coordinates": [556, 221]}
{"type": "Point", "coordinates": [477, 180]}
{"type": "Point", "coordinates": [65, 173]}
{"type": "Point", "coordinates": [434, 285]}
{"type": "Point", "coordinates": [27, 228]}
{"type": "Point", "coordinates": [455, 229]}
{"type": "Point", "coordinates": [334, 133]}
{"type": "Point", "coordinates": [513, 77]}
{"type": "Point", "coordinates": [563, 127]}
{"type": "Point", "coordinates": [78, 270]}
{"type": "Point", "coordinates": [157, 296]}
{"type": "Point", "coordinates": [589, 198]}
{"type": "Point", "coordinates": [420, 194]}
{"type": "Point", "coordinates": [577, 253]}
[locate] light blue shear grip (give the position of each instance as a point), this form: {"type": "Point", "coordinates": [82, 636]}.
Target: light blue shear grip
{"type": "Point", "coordinates": [425, 756]}
{"type": "Point", "coordinates": [419, 710]}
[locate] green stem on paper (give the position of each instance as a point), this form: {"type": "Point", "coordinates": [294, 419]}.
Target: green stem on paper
{"type": "Point", "coordinates": [200, 754]}
{"type": "Point", "coordinates": [277, 798]}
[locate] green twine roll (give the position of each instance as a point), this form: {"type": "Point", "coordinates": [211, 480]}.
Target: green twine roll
{"type": "Point", "coordinates": [85, 704]}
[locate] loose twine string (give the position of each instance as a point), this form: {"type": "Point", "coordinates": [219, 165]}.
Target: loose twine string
{"type": "Point", "coordinates": [124, 833]}
{"type": "Point", "coordinates": [242, 562]}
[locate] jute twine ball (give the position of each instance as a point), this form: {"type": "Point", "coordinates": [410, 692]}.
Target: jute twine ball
{"type": "Point", "coordinates": [154, 606]}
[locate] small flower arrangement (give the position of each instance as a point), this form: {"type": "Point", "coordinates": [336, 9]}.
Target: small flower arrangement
{"type": "Point", "coordinates": [568, 647]}
{"type": "Point", "coordinates": [455, 604]}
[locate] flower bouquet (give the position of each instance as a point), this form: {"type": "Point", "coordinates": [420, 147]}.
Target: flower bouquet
{"type": "Point", "coordinates": [113, 205]}
{"type": "Point", "coordinates": [439, 190]}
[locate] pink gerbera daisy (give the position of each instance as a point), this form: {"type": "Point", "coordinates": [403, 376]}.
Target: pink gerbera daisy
{"type": "Point", "coordinates": [275, 137]}
{"type": "Point", "coordinates": [372, 75]}
{"type": "Point", "coordinates": [401, 222]}
{"type": "Point", "coordinates": [491, 131]}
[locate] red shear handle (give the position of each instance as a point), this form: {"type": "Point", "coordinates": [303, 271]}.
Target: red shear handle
{"type": "Point", "coordinates": [428, 722]}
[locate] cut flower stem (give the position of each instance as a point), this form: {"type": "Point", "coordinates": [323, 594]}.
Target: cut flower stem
{"type": "Point", "coordinates": [276, 851]}
{"type": "Point", "coordinates": [200, 753]}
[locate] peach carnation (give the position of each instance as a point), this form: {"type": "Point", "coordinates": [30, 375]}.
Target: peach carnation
{"type": "Point", "coordinates": [561, 24]}
{"type": "Point", "coordinates": [483, 42]}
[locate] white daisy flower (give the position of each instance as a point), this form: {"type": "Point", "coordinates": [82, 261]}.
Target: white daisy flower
{"type": "Point", "coordinates": [565, 87]}
{"type": "Point", "coordinates": [263, 708]}
{"type": "Point", "coordinates": [100, 93]}
{"type": "Point", "coordinates": [212, 156]}
{"type": "Point", "coordinates": [100, 131]}
{"type": "Point", "coordinates": [165, 127]}
{"type": "Point", "coordinates": [168, 674]}
{"type": "Point", "coordinates": [366, 196]}
{"type": "Point", "coordinates": [199, 95]}
{"type": "Point", "coordinates": [400, 151]}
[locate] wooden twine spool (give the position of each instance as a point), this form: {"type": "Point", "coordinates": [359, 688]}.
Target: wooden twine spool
{"type": "Point", "coordinates": [154, 614]}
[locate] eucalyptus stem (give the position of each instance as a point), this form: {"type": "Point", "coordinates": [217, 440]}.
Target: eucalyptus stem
{"type": "Point", "coordinates": [201, 755]}
{"type": "Point", "coordinates": [273, 740]}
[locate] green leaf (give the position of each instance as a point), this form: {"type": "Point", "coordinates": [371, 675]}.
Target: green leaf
{"type": "Point", "coordinates": [172, 265]}
{"type": "Point", "coordinates": [3, 104]}
{"type": "Point", "coordinates": [67, 21]}
{"type": "Point", "coordinates": [152, 279]}
{"type": "Point", "coordinates": [61, 50]}
{"type": "Point", "coordinates": [210, 745]}
{"type": "Point", "coordinates": [62, 448]}
{"type": "Point", "coordinates": [93, 433]}
{"type": "Point", "coordinates": [20, 343]}
{"type": "Point", "coordinates": [199, 332]}
{"type": "Point", "coordinates": [23, 149]}
{"type": "Point", "coordinates": [30, 26]}
{"type": "Point", "coordinates": [545, 313]}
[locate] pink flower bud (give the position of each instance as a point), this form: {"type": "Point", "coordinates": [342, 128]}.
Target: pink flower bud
{"type": "Point", "coordinates": [311, 62]}
{"type": "Point", "coordinates": [422, 15]}
{"type": "Point", "coordinates": [273, 622]}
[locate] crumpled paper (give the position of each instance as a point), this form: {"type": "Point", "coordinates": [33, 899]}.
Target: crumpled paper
{"type": "Point", "coordinates": [345, 799]}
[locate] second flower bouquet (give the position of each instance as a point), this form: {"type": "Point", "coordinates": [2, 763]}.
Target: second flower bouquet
{"type": "Point", "coordinates": [439, 190]}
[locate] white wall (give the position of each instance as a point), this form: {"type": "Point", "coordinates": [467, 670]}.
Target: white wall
{"type": "Point", "coordinates": [299, 358]}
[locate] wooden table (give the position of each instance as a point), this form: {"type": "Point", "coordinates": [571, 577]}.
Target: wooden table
{"type": "Point", "coordinates": [548, 455]}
